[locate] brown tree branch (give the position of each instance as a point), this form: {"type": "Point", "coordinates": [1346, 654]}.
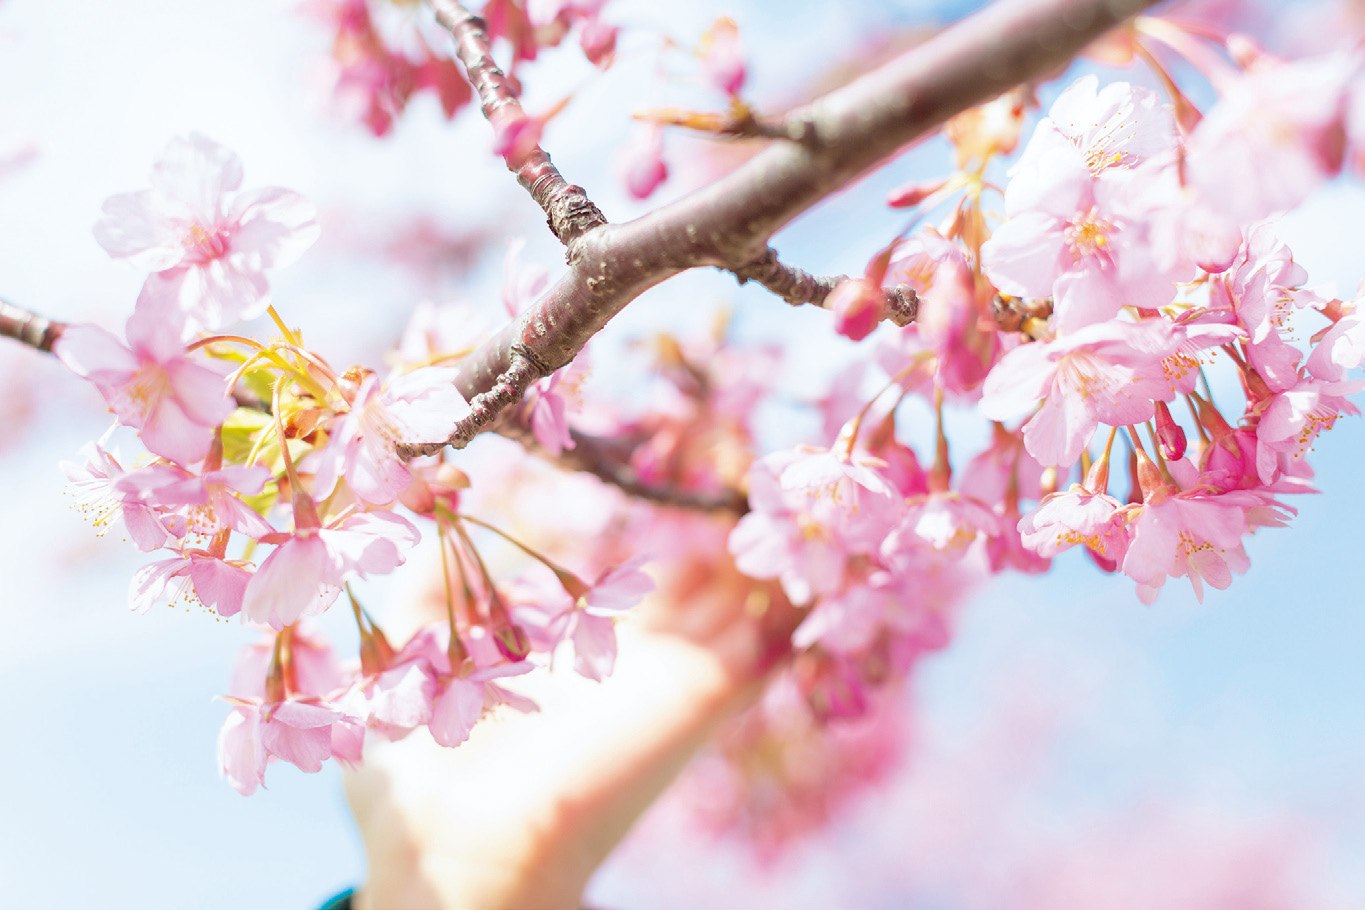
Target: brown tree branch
{"type": "Point", "coordinates": [795, 286]}
{"type": "Point", "coordinates": [567, 208]}
{"type": "Point", "coordinates": [609, 461]}
{"type": "Point", "coordinates": [28, 328]}
{"type": "Point", "coordinates": [728, 223]}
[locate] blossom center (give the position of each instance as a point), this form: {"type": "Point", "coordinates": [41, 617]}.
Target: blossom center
{"type": "Point", "coordinates": [1085, 374]}
{"type": "Point", "coordinates": [1088, 236]}
{"type": "Point", "coordinates": [142, 393]}
{"type": "Point", "coordinates": [203, 246]}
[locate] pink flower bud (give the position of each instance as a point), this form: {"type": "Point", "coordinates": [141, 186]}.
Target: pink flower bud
{"type": "Point", "coordinates": [857, 306]}
{"type": "Point", "coordinates": [514, 138]}
{"type": "Point", "coordinates": [912, 194]}
{"type": "Point", "coordinates": [723, 56]}
{"type": "Point", "coordinates": [641, 165]}
{"type": "Point", "coordinates": [1169, 433]}
{"type": "Point", "coordinates": [1217, 427]}
{"type": "Point", "coordinates": [598, 40]}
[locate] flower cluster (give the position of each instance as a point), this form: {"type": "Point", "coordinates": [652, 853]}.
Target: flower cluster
{"type": "Point", "coordinates": [1130, 261]}
{"type": "Point", "coordinates": [273, 482]}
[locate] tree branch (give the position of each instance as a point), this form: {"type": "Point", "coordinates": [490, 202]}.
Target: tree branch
{"type": "Point", "coordinates": [567, 208]}
{"type": "Point", "coordinates": [28, 327]}
{"type": "Point", "coordinates": [609, 461]}
{"type": "Point", "coordinates": [795, 286]}
{"type": "Point", "coordinates": [728, 223]}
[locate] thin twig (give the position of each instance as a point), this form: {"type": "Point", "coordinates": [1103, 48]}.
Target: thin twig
{"type": "Point", "coordinates": [568, 210]}
{"type": "Point", "coordinates": [797, 287]}
{"type": "Point", "coordinates": [608, 460]}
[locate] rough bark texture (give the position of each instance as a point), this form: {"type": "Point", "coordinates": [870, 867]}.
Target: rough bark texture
{"type": "Point", "coordinates": [900, 303]}
{"type": "Point", "coordinates": [728, 223]}
{"type": "Point", "coordinates": [567, 208]}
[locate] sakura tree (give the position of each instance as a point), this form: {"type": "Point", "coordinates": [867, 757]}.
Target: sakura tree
{"type": "Point", "coordinates": [1095, 283]}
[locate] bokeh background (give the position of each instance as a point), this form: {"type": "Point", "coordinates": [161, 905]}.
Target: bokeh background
{"type": "Point", "coordinates": [1071, 749]}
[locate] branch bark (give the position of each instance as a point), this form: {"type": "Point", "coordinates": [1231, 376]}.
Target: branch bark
{"type": "Point", "coordinates": [795, 286]}
{"type": "Point", "coordinates": [28, 328]}
{"type": "Point", "coordinates": [728, 223]}
{"type": "Point", "coordinates": [568, 210]}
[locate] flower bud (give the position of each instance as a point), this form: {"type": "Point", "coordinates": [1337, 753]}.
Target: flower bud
{"type": "Point", "coordinates": [857, 305]}
{"type": "Point", "coordinates": [598, 40]}
{"type": "Point", "coordinates": [912, 194]}
{"type": "Point", "coordinates": [1169, 433]}
{"type": "Point", "coordinates": [722, 56]}
{"type": "Point", "coordinates": [1216, 427]}
{"type": "Point", "coordinates": [641, 166]}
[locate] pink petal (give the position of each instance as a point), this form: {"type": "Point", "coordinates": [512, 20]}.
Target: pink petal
{"type": "Point", "coordinates": [455, 712]}
{"type": "Point", "coordinates": [296, 576]}
{"type": "Point", "coordinates": [196, 172]}
{"type": "Point", "coordinates": [241, 754]}
{"type": "Point", "coordinates": [134, 226]}
{"type": "Point", "coordinates": [275, 226]}
{"type": "Point", "coordinates": [594, 645]}
{"type": "Point", "coordinates": [91, 352]}
{"type": "Point", "coordinates": [219, 585]}
{"type": "Point", "coordinates": [1023, 256]}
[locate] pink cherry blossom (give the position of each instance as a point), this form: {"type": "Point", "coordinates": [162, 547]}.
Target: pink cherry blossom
{"type": "Point", "coordinates": [945, 523]}
{"type": "Point", "coordinates": [93, 486]}
{"type": "Point", "coordinates": [1077, 516]}
{"type": "Point", "coordinates": [305, 572]}
{"type": "Point", "coordinates": [1106, 373]}
{"type": "Point", "coordinates": [946, 326]}
{"type": "Point", "coordinates": [1119, 126]}
{"type": "Point", "coordinates": [1275, 135]}
{"type": "Point", "coordinates": [200, 504]}
{"type": "Point", "coordinates": [1192, 535]}
{"type": "Point", "coordinates": [1292, 421]}
{"type": "Point", "coordinates": [1083, 242]}
{"type": "Point", "coordinates": [857, 305]}
{"type": "Point", "coordinates": [1340, 350]}
{"type": "Point", "coordinates": [207, 244]}
{"type": "Point", "coordinates": [464, 694]}
{"type": "Point", "coordinates": [811, 509]}
{"type": "Point", "coordinates": [549, 413]}
{"type": "Point", "coordinates": [298, 732]}
{"type": "Point", "coordinates": [218, 584]}
{"type": "Point", "coordinates": [420, 406]}
{"type": "Point", "coordinates": [151, 384]}
{"type": "Point", "coordinates": [722, 56]}
{"type": "Point", "coordinates": [586, 615]}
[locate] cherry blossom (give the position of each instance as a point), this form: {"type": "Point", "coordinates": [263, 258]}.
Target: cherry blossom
{"type": "Point", "coordinates": [206, 243]}
{"type": "Point", "coordinates": [1084, 243]}
{"type": "Point", "coordinates": [203, 504]}
{"type": "Point", "coordinates": [299, 732]}
{"type": "Point", "coordinates": [303, 575]}
{"type": "Point", "coordinates": [1274, 136]}
{"type": "Point", "coordinates": [1077, 516]}
{"type": "Point", "coordinates": [418, 406]}
{"type": "Point", "coordinates": [93, 484]}
{"type": "Point", "coordinates": [151, 384]}
{"type": "Point", "coordinates": [1106, 373]}
{"type": "Point", "coordinates": [641, 164]}
{"type": "Point", "coordinates": [196, 575]}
